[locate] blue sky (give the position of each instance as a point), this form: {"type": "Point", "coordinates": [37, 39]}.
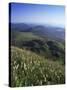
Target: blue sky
{"type": "Point", "coordinates": [37, 13]}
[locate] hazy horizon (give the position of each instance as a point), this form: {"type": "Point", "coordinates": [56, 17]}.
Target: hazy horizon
{"type": "Point", "coordinates": [37, 14]}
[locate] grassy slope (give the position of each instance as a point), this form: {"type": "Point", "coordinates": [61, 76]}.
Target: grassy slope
{"type": "Point", "coordinates": [28, 68]}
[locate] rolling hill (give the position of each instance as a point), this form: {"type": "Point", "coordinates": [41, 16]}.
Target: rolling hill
{"type": "Point", "coordinates": [43, 31]}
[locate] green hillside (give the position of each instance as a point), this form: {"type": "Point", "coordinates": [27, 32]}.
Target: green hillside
{"type": "Point", "coordinates": [22, 36]}
{"type": "Point", "coordinates": [30, 69]}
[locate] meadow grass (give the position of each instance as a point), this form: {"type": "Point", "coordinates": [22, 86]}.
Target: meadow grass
{"type": "Point", "coordinates": [30, 69]}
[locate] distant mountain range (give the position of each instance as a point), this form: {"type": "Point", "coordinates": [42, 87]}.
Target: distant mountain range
{"type": "Point", "coordinates": [41, 30]}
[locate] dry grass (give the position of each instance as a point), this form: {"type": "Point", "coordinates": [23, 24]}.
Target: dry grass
{"type": "Point", "coordinates": [30, 69]}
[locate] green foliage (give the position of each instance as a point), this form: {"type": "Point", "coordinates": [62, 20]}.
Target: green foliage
{"type": "Point", "coordinates": [42, 46]}
{"type": "Point", "coordinates": [31, 69]}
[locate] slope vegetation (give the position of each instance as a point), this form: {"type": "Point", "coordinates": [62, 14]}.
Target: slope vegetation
{"type": "Point", "coordinates": [31, 69]}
